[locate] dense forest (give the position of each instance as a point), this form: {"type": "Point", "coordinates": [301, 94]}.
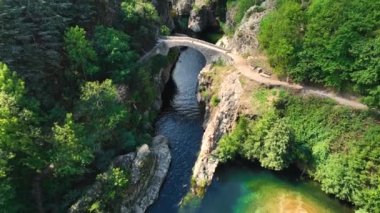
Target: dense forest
{"type": "Point", "coordinates": [334, 43]}
{"type": "Point", "coordinates": [72, 95]}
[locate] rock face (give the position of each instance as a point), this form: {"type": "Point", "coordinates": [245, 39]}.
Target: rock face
{"type": "Point", "coordinates": [149, 193]}
{"type": "Point", "coordinates": [160, 81]}
{"type": "Point", "coordinates": [245, 37]}
{"type": "Point", "coordinates": [182, 7]}
{"type": "Point", "coordinates": [202, 16]}
{"type": "Point", "coordinates": [163, 8]}
{"type": "Point", "coordinates": [148, 168]}
{"type": "Point", "coordinates": [219, 122]}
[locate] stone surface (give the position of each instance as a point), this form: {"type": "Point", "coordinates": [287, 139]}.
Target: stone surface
{"type": "Point", "coordinates": [160, 81]}
{"type": "Point", "coordinates": [146, 197]}
{"type": "Point", "coordinates": [202, 16]}
{"type": "Point", "coordinates": [182, 7]}
{"type": "Point", "coordinates": [148, 167]}
{"type": "Point", "coordinates": [219, 123]}
{"type": "Point", "coordinates": [163, 8]}
{"type": "Point", "coordinates": [244, 39]}
{"type": "Point", "coordinates": [208, 50]}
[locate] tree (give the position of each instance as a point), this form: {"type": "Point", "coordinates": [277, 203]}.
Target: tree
{"type": "Point", "coordinates": [7, 192]}
{"type": "Point", "coordinates": [17, 132]}
{"type": "Point", "coordinates": [31, 43]}
{"type": "Point", "coordinates": [116, 54]}
{"type": "Point", "coordinates": [366, 74]}
{"type": "Point", "coordinates": [253, 146]}
{"type": "Point", "coordinates": [105, 116]}
{"type": "Point", "coordinates": [281, 34]}
{"type": "Point", "coordinates": [80, 52]}
{"type": "Point", "coordinates": [70, 154]}
{"type": "Point", "coordinates": [276, 149]}
{"type": "Point", "coordinates": [228, 146]}
{"type": "Point", "coordinates": [141, 20]}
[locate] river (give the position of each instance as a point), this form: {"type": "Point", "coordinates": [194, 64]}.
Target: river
{"type": "Point", "coordinates": [181, 122]}
{"type": "Point", "coordinates": [236, 187]}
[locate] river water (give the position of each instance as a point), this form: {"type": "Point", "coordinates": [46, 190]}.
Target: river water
{"type": "Point", "coordinates": [181, 122]}
{"type": "Point", "coordinates": [236, 187]}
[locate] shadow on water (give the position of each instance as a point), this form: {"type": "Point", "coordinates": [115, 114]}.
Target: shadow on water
{"type": "Point", "coordinates": [181, 122]}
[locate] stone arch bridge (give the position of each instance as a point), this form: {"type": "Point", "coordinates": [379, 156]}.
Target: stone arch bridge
{"type": "Point", "coordinates": [210, 51]}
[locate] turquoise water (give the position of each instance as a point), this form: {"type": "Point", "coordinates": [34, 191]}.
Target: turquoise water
{"type": "Point", "coordinates": [239, 188]}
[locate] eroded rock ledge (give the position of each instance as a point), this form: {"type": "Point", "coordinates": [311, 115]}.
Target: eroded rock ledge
{"type": "Point", "coordinates": [148, 167]}
{"type": "Point", "coordinates": [219, 122]}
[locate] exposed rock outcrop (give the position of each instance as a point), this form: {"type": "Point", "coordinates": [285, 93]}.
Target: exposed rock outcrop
{"type": "Point", "coordinates": [148, 167]}
{"type": "Point", "coordinates": [163, 8]}
{"type": "Point", "coordinates": [219, 122]}
{"type": "Point", "coordinates": [202, 16]}
{"type": "Point", "coordinates": [244, 39]}
{"type": "Point", "coordinates": [161, 79]}
{"type": "Point", "coordinates": [182, 7]}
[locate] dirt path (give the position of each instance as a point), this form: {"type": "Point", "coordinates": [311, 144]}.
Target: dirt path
{"type": "Point", "coordinates": [244, 68]}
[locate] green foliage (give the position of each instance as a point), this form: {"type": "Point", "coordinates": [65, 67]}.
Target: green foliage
{"type": "Point", "coordinates": [69, 119]}
{"type": "Point", "coordinates": [275, 152]}
{"type": "Point", "coordinates": [10, 83]}
{"type": "Point", "coordinates": [281, 34]}
{"type": "Point", "coordinates": [113, 183]}
{"type": "Point", "coordinates": [267, 140]}
{"type": "Point", "coordinates": [80, 52]}
{"type": "Point", "coordinates": [141, 18]}
{"type": "Point", "coordinates": [214, 101]}
{"type": "Point", "coordinates": [333, 43]}
{"type": "Point", "coordinates": [70, 155]}
{"type": "Point", "coordinates": [115, 52]}
{"type": "Point", "coordinates": [101, 110]}
{"type": "Point", "coordinates": [31, 41]}
{"type": "Point", "coordinates": [17, 136]}
{"type": "Point", "coordinates": [229, 145]}
{"type": "Point", "coordinates": [366, 74]}
{"type": "Point", "coordinates": [164, 30]}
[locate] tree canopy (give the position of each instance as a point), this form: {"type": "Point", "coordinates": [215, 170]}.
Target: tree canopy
{"type": "Point", "coordinates": [330, 42]}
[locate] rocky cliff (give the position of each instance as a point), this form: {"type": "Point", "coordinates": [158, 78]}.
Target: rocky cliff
{"type": "Point", "coordinates": [163, 77]}
{"type": "Point", "coordinates": [244, 39]}
{"type": "Point", "coordinates": [203, 16]}
{"type": "Point", "coordinates": [148, 167]}
{"type": "Point", "coordinates": [182, 7]}
{"type": "Point", "coordinates": [163, 8]}
{"type": "Point", "coordinates": [218, 122]}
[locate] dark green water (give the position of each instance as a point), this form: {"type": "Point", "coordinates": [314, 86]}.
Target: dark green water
{"type": "Point", "coordinates": [242, 188]}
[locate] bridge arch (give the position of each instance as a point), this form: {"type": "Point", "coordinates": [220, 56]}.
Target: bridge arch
{"type": "Point", "coordinates": [210, 51]}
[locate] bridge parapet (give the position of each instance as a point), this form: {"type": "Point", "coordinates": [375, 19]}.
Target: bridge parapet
{"type": "Point", "coordinates": [210, 51]}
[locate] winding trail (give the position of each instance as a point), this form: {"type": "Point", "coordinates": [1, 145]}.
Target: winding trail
{"type": "Point", "coordinates": [209, 50]}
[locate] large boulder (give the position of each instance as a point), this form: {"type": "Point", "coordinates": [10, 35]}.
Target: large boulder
{"type": "Point", "coordinates": [148, 167]}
